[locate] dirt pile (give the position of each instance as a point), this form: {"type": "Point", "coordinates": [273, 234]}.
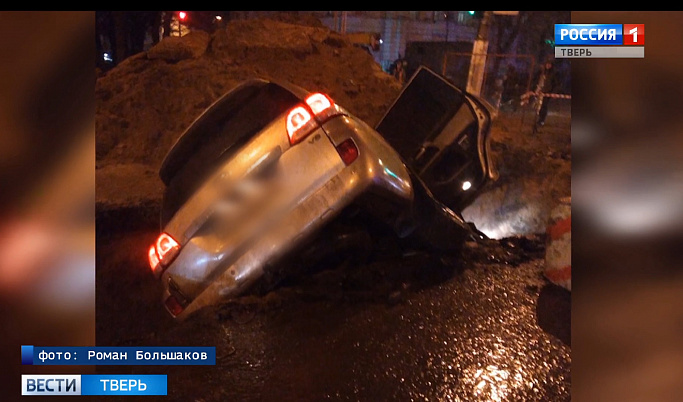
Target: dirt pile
{"type": "Point", "coordinates": [147, 101]}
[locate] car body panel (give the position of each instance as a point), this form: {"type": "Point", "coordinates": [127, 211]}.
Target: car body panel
{"type": "Point", "coordinates": [226, 240]}
{"type": "Point", "coordinates": [237, 203]}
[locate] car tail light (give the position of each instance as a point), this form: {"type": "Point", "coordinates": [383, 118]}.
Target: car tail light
{"type": "Point", "coordinates": [322, 107]}
{"type": "Point", "coordinates": [318, 103]}
{"type": "Point", "coordinates": [165, 245]}
{"type": "Point", "coordinates": [305, 118]}
{"type": "Point", "coordinates": [348, 151]}
{"type": "Point", "coordinates": [153, 258]}
{"type": "Point", "coordinates": [173, 305]}
{"type": "Point", "coordinates": [299, 124]}
{"type": "Point", "coordinates": [163, 251]}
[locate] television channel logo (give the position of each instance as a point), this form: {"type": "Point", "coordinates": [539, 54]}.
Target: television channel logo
{"type": "Point", "coordinates": [634, 34]}
{"type": "Point", "coordinates": [588, 34]}
{"type": "Point", "coordinates": [599, 40]}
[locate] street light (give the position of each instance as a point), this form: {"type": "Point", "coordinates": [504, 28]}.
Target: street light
{"type": "Point", "coordinates": [182, 15]}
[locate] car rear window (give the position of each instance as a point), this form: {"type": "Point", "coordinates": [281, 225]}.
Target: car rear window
{"type": "Point", "coordinates": [216, 135]}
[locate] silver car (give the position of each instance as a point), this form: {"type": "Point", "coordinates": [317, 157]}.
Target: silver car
{"type": "Point", "coordinates": [259, 173]}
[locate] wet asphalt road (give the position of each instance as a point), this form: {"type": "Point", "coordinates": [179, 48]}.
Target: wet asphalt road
{"type": "Point", "coordinates": [404, 329]}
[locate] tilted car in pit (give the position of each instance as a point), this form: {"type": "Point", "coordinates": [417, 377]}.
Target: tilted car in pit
{"type": "Point", "coordinates": [264, 169]}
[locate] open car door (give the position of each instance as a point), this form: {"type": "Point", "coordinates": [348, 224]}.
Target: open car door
{"type": "Point", "coordinates": [442, 133]}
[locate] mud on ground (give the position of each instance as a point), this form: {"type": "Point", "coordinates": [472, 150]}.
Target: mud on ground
{"type": "Point", "coordinates": [486, 326]}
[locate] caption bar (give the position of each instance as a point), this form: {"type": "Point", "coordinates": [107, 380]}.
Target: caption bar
{"type": "Point", "coordinates": [111, 355]}
{"type": "Point", "coordinates": [599, 52]}
{"type": "Point", "coordinates": [93, 384]}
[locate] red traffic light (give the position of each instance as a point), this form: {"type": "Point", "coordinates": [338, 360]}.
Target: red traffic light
{"type": "Point", "coordinates": [182, 15]}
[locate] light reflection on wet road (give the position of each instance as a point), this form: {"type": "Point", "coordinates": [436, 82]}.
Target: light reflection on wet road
{"type": "Point", "coordinates": [388, 332]}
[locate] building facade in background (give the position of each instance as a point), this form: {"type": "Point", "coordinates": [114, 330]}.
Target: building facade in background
{"type": "Point", "coordinates": [396, 28]}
